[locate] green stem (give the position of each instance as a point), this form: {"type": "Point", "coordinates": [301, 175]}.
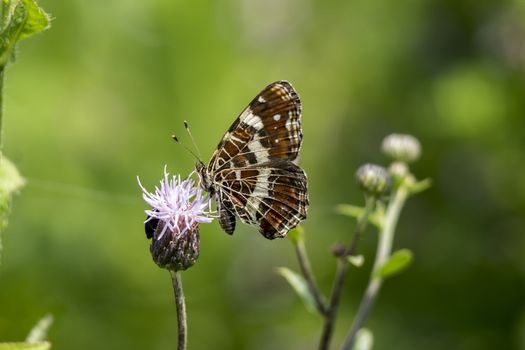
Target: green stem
{"type": "Point", "coordinates": [1, 106]}
{"type": "Point", "coordinates": [384, 248]}
{"type": "Point", "coordinates": [342, 269]}
{"type": "Point", "coordinates": [181, 310]}
{"type": "Point", "coordinates": [306, 269]}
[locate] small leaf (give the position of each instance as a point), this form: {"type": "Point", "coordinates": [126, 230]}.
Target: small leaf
{"type": "Point", "coordinates": [10, 179]}
{"type": "Point", "coordinates": [364, 340]}
{"type": "Point", "coordinates": [350, 210]}
{"type": "Point", "coordinates": [21, 18]}
{"type": "Point", "coordinates": [39, 331]}
{"type": "Point", "coordinates": [37, 19]}
{"type": "Point", "coordinates": [420, 186]}
{"type": "Point", "coordinates": [375, 218]}
{"type": "Point", "coordinates": [10, 183]}
{"type": "Point", "coordinates": [397, 262]}
{"type": "Point", "coordinates": [25, 346]}
{"type": "Point", "coordinates": [356, 260]}
{"type": "Point", "coordinates": [300, 286]}
{"type": "Point", "coordinates": [296, 234]}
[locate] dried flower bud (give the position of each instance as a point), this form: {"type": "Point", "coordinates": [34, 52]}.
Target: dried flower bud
{"type": "Point", "coordinates": [338, 250]}
{"type": "Point", "coordinates": [373, 179]}
{"type": "Point", "coordinates": [403, 148]}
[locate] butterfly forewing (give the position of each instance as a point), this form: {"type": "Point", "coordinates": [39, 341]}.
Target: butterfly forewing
{"type": "Point", "coordinates": [253, 174]}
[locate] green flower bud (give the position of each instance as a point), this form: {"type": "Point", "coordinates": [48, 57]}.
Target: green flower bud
{"type": "Point", "coordinates": [398, 170]}
{"type": "Point", "coordinates": [403, 148]}
{"type": "Point", "coordinates": [373, 179]}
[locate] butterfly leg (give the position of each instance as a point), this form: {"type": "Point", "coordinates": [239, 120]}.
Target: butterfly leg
{"type": "Point", "coordinates": [226, 220]}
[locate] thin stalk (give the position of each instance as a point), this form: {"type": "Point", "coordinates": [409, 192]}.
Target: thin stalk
{"type": "Point", "coordinates": [342, 269]}
{"type": "Point", "coordinates": [181, 310]}
{"type": "Point", "coordinates": [384, 248]}
{"type": "Point", "coordinates": [306, 269]}
{"type": "Point", "coordinates": [1, 106]}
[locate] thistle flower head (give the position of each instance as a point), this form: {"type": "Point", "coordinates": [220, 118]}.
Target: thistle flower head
{"type": "Point", "coordinates": [177, 204]}
{"type": "Point", "coordinates": [401, 147]}
{"type": "Point", "coordinates": [373, 179]}
{"type": "Point", "coordinates": [177, 208]}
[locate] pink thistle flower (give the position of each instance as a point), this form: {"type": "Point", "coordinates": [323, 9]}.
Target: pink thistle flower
{"type": "Point", "coordinates": [177, 204]}
{"type": "Point", "coordinates": [177, 208]}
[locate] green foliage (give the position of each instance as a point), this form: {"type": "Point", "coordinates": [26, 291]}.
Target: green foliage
{"type": "Point", "coordinates": [20, 19]}
{"type": "Point", "coordinates": [300, 286]}
{"type": "Point", "coordinates": [419, 186]}
{"type": "Point", "coordinates": [10, 182]}
{"type": "Point", "coordinates": [364, 340]}
{"type": "Point", "coordinates": [25, 346]}
{"type": "Point", "coordinates": [296, 234]}
{"type": "Point", "coordinates": [353, 211]}
{"type": "Point", "coordinates": [39, 331]}
{"type": "Point", "coordinates": [397, 262]}
{"type": "Point", "coordinates": [356, 260]}
{"type": "Point", "coordinates": [94, 102]}
{"type": "Point", "coordinates": [36, 338]}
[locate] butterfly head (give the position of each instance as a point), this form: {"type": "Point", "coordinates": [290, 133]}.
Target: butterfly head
{"type": "Point", "coordinates": [204, 177]}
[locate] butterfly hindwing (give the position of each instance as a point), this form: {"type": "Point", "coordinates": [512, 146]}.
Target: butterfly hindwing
{"type": "Point", "coordinates": [254, 173]}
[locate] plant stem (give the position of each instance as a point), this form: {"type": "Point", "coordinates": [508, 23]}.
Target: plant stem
{"type": "Point", "coordinates": [306, 269]}
{"type": "Point", "coordinates": [1, 106]}
{"type": "Point", "coordinates": [384, 249]}
{"type": "Point", "coordinates": [181, 309]}
{"type": "Point", "coordinates": [342, 269]}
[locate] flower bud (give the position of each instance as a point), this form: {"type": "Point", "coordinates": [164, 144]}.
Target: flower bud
{"type": "Point", "coordinates": [398, 171]}
{"type": "Point", "coordinates": [338, 250]}
{"type": "Point", "coordinates": [400, 147]}
{"type": "Point", "coordinates": [174, 251]}
{"type": "Point", "coordinates": [373, 179]}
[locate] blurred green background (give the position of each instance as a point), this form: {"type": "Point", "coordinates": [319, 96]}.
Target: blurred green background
{"type": "Point", "coordinates": [91, 104]}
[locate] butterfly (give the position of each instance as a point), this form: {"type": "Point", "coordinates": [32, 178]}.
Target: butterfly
{"type": "Point", "coordinates": [254, 173]}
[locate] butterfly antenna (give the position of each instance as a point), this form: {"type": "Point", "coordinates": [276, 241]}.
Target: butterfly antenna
{"type": "Point", "coordinates": [176, 139]}
{"type": "Point", "coordinates": [187, 126]}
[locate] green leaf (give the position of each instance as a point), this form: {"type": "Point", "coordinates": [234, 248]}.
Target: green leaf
{"type": "Point", "coordinates": [300, 286]}
{"type": "Point", "coordinates": [10, 183]}
{"type": "Point", "coordinates": [39, 331]}
{"type": "Point", "coordinates": [37, 19]}
{"type": "Point", "coordinates": [10, 179]}
{"type": "Point", "coordinates": [375, 218]}
{"type": "Point", "coordinates": [25, 346]}
{"type": "Point", "coordinates": [364, 340]}
{"type": "Point", "coordinates": [296, 234]}
{"type": "Point", "coordinates": [20, 19]}
{"type": "Point", "coordinates": [420, 186]}
{"type": "Point", "coordinates": [356, 260]}
{"type": "Point", "coordinates": [397, 262]}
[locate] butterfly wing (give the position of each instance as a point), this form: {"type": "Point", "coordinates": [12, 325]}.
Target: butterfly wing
{"type": "Point", "coordinates": [254, 170]}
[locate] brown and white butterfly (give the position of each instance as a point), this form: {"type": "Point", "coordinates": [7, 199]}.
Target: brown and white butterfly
{"type": "Point", "coordinates": [254, 173]}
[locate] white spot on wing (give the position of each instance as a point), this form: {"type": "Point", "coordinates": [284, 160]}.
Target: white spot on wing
{"type": "Point", "coordinates": [261, 99]}
{"type": "Point", "coordinates": [259, 193]}
{"type": "Point", "coordinates": [251, 119]}
{"type": "Point", "coordinates": [277, 117]}
{"type": "Point", "coordinates": [260, 152]}
{"type": "Point", "coordinates": [289, 124]}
